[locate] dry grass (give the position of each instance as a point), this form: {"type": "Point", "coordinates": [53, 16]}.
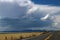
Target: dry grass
{"type": "Point", "coordinates": [13, 36]}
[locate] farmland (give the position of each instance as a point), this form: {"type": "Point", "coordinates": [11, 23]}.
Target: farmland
{"type": "Point", "coordinates": [30, 36]}
{"type": "Point", "coordinates": [17, 36]}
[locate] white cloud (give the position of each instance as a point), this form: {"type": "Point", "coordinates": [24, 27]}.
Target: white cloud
{"type": "Point", "coordinates": [56, 20]}
{"type": "Point", "coordinates": [24, 2]}
{"type": "Point", "coordinates": [45, 17]}
{"type": "Point", "coordinates": [7, 1]}
{"type": "Point", "coordinates": [46, 8]}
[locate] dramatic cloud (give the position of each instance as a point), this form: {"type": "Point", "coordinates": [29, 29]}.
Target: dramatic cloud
{"type": "Point", "coordinates": [24, 14]}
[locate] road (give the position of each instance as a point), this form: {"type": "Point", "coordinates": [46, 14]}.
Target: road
{"type": "Point", "coordinates": [55, 36]}
{"type": "Point", "coordinates": [46, 36]}
{"type": "Point", "coordinates": [40, 37]}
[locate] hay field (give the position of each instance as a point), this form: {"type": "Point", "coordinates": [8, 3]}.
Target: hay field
{"type": "Point", "coordinates": [16, 36]}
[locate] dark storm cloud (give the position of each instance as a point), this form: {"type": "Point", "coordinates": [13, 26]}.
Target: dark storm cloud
{"type": "Point", "coordinates": [21, 15]}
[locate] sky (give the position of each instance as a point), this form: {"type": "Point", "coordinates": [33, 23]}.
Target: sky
{"type": "Point", "coordinates": [29, 15]}
{"type": "Point", "coordinates": [49, 2]}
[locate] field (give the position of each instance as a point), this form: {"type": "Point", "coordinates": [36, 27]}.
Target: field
{"type": "Point", "coordinates": [30, 36]}
{"type": "Point", "coordinates": [18, 36]}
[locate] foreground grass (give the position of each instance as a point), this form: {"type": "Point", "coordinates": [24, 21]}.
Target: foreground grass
{"type": "Point", "coordinates": [16, 36]}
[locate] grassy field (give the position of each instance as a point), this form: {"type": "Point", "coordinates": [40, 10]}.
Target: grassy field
{"type": "Point", "coordinates": [16, 36]}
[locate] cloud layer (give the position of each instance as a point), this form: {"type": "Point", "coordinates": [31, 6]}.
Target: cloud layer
{"type": "Point", "coordinates": [24, 14]}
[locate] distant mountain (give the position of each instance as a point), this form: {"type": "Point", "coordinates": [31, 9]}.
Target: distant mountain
{"type": "Point", "coordinates": [26, 31]}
